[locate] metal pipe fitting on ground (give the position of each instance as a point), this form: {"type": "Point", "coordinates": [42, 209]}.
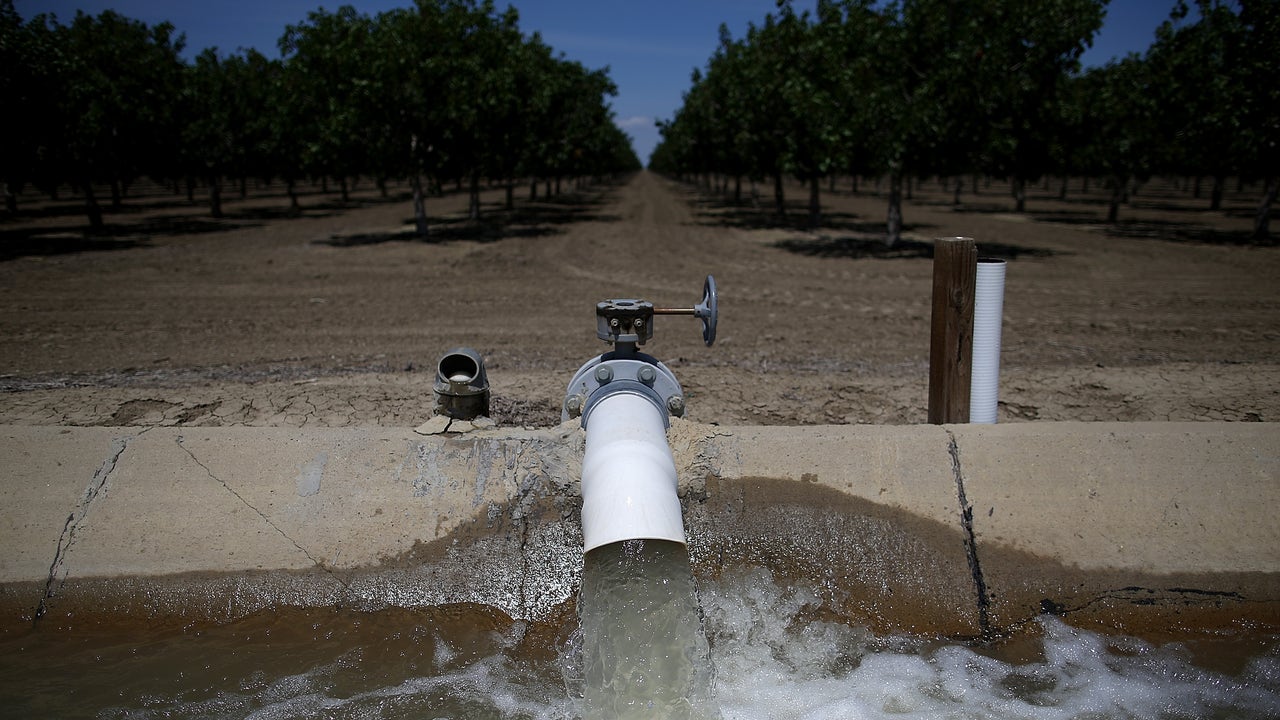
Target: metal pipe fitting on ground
{"type": "Point", "coordinates": [461, 387]}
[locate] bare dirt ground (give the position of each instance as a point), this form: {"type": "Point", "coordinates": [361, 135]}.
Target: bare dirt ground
{"type": "Point", "coordinates": [336, 317]}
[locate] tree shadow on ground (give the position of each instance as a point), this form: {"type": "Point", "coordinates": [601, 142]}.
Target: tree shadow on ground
{"type": "Point", "coordinates": [1176, 232]}
{"type": "Point", "coordinates": [48, 242]}
{"type": "Point", "coordinates": [326, 206]}
{"type": "Point", "coordinates": [280, 213]}
{"type": "Point", "coordinates": [529, 220]}
{"type": "Point", "coordinates": [720, 213]}
{"type": "Point", "coordinates": [857, 248]}
{"type": "Point", "coordinates": [1189, 233]}
{"type": "Point", "coordinates": [63, 240]}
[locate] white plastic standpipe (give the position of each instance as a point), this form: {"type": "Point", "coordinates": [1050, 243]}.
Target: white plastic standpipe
{"type": "Point", "coordinates": [628, 475]}
{"type": "Point", "coordinates": [988, 312]}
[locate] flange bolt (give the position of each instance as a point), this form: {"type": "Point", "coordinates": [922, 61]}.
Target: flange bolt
{"type": "Point", "coordinates": [604, 374]}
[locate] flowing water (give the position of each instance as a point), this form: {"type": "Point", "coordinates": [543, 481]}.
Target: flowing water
{"type": "Point", "coordinates": [641, 648]}
{"type": "Point", "coordinates": [776, 653]}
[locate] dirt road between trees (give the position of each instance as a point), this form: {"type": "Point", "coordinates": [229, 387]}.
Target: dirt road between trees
{"type": "Point", "coordinates": [336, 317]}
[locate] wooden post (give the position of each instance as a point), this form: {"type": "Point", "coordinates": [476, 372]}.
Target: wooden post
{"type": "Point", "coordinates": [955, 263]}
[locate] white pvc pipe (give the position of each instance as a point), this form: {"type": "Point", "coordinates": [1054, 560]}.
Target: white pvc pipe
{"type": "Point", "coordinates": [988, 312]}
{"type": "Point", "coordinates": [628, 475]}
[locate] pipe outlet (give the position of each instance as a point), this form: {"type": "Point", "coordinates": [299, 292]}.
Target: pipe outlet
{"type": "Point", "coordinates": [628, 474]}
{"type": "Point", "coordinates": [461, 387]}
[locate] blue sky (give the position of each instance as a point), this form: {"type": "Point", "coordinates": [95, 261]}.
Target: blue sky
{"type": "Point", "coordinates": [650, 46]}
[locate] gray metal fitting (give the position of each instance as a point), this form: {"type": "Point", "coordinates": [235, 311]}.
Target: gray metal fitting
{"type": "Point", "coordinates": [675, 404]}
{"type": "Point", "coordinates": [638, 374]}
{"type": "Point", "coordinates": [461, 387]}
{"type": "Point", "coordinates": [573, 405]}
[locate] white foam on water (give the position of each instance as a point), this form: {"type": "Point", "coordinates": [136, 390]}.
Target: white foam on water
{"type": "Point", "coordinates": [771, 663]}
{"type": "Point", "coordinates": [773, 660]}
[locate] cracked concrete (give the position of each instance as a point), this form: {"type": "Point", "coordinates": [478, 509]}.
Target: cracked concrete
{"type": "Point", "coordinates": [1146, 525]}
{"type": "Point", "coordinates": [97, 487]}
{"type": "Point", "coordinates": [316, 563]}
{"type": "Point", "coordinates": [982, 599]}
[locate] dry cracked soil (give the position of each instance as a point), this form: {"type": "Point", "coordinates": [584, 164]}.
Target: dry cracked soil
{"type": "Point", "coordinates": [336, 316]}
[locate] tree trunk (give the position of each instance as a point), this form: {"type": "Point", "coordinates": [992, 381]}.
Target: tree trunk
{"type": "Point", "coordinates": [419, 208]}
{"type": "Point", "coordinates": [244, 187]}
{"type": "Point", "coordinates": [779, 197]}
{"type": "Point", "coordinates": [10, 198]}
{"type": "Point", "coordinates": [346, 192]}
{"type": "Point", "coordinates": [737, 189]}
{"type": "Point", "coordinates": [1019, 188]}
{"type": "Point", "coordinates": [1196, 193]}
{"type": "Point", "coordinates": [382, 186]}
{"type": "Point", "coordinates": [191, 190]}
{"type": "Point", "coordinates": [815, 204]}
{"type": "Point", "coordinates": [215, 196]}
{"type": "Point", "coordinates": [557, 184]}
{"type": "Point", "coordinates": [473, 201]}
{"type": "Point", "coordinates": [955, 199]}
{"type": "Point", "coordinates": [533, 190]}
{"type": "Point", "coordinates": [1062, 189]}
{"type": "Point", "coordinates": [547, 191]}
{"type": "Point", "coordinates": [1219, 182]}
{"type": "Point", "coordinates": [911, 188]}
{"type": "Point", "coordinates": [1084, 185]}
{"type": "Point", "coordinates": [292, 190]}
{"type": "Point", "coordinates": [511, 194]}
{"type": "Point", "coordinates": [116, 197]}
{"type": "Point", "coordinates": [853, 185]}
{"type": "Point", "coordinates": [893, 228]}
{"type": "Point", "coordinates": [1262, 221]}
{"type": "Point", "coordinates": [91, 207]}
{"type": "Point", "coordinates": [1118, 185]}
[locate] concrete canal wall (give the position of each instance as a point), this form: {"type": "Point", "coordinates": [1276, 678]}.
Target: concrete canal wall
{"type": "Point", "coordinates": [961, 530]}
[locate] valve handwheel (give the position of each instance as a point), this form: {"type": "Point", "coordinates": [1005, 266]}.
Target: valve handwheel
{"type": "Point", "coordinates": [708, 310]}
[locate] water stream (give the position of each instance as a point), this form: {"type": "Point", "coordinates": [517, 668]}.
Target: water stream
{"type": "Point", "coordinates": [777, 653]}
{"type": "Point", "coordinates": [640, 651]}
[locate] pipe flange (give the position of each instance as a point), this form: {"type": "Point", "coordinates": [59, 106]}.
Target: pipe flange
{"type": "Point", "coordinates": [638, 373]}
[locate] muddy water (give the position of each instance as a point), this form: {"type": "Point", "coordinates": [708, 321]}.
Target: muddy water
{"type": "Point", "coordinates": [776, 651]}
{"type": "Point", "coordinates": [287, 664]}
